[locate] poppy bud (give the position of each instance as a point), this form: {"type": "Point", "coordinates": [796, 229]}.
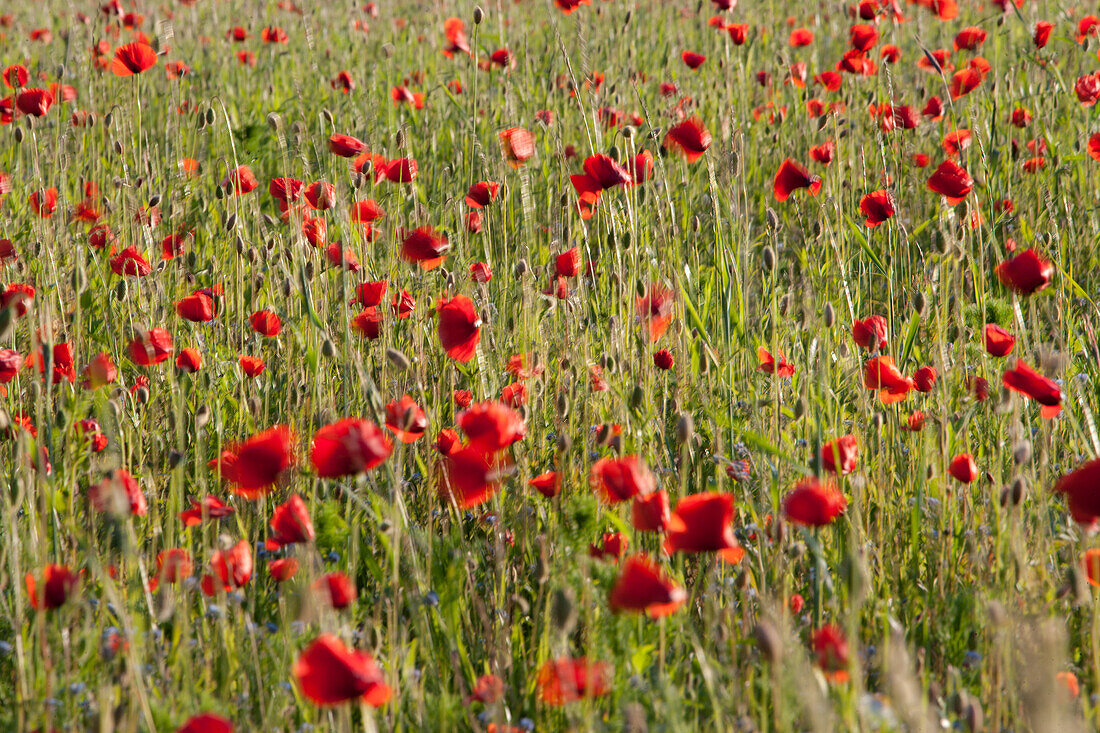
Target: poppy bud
{"type": "Point", "coordinates": [685, 428]}
{"type": "Point", "coordinates": [202, 417]}
{"type": "Point", "coordinates": [327, 115]}
{"type": "Point", "coordinates": [637, 397]}
{"type": "Point", "coordinates": [1017, 490]}
{"type": "Point", "coordinates": [107, 119]}
{"type": "Point", "coordinates": [286, 287]}
{"type": "Point", "coordinates": [397, 358]}
{"type": "Point", "coordinates": [696, 224]}
{"type": "Point", "coordinates": [878, 421]}
{"type": "Point", "coordinates": [973, 716]}
{"type": "Point", "coordinates": [742, 580]}
{"type": "Point", "coordinates": [919, 302]}
{"type": "Point", "coordinates": [141, 395]}
{"type": "Point", "coordinates": [479, 15]}
{"type": "Point", "coordinates": [768, 258]}
{"type": "Point", "coordinates": [800, 408]}
{"type": "Point", "coordinates": [175, 458]}
{"type": "Point", "coordinates": [563, 611]}
{"type": "Point", "coordinates": [629, 132]}
{"type": "Point", "coordinates": [219, 193]}
{"type": "Point", "coordinates": [768, 641]}
{"type": "Point", "coordinates": [310, 269]}
{"type": "Point", "coordinates": [18, 134]}
{"type": "Point", "coordinates": [565, 443]}
{"type": "Point", "coordinates": [562, 404]}
{"type": "Point", "coordinates": [830, 315]}
{"type": "Point", "coordinates": [154, 201]}
{"type": "Point", "coordinates": [118, 148]}
{"type": "Point", "coordinates": [522, 267]}
{"type": "Point", "coordinates": [210, 116]}
{"type": "Point", "coordinates": [5, 420]}
{"type": "Point", "coordinates": [1021, 453]}
{"type": "Point", "coordinates": [358, 181]}
{"type": "Point", "coordinates": [120, 290]}
{"type": "Point", "coordinates": [328, 349]}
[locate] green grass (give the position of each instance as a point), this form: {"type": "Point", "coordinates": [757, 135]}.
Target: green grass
{"type": "Point", "coordinates": [955, 601]}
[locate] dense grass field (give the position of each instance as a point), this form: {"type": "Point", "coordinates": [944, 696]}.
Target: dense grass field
{"type": "Point", "coordinates": [572, 365]}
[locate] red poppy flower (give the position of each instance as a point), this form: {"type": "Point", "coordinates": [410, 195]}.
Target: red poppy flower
{"type": "Point", "coordinates": [611, 547]}
{"type": "Point", "coordinates": [831, 649]}
{"type": "Point", "coordinates": [349, 447]}
{"type": "Point", "coordinates": [274, 34]}
{"type": "Point", "coordinates": [824, 152]}
{"type": "Point", "coordinates": [690, 137]}
{"type": "Point", "coordinates": [255, 465]}
{"type": "Point", "coordinates": [266, 323]}
{"type": "Point", "coordinates": [173, 565]}
{"type": "Point", "coordinates": [1027, 273]}
{"type": "Point", "coordinates": [401, 170]}
{"type": "Point", "coordinates": [491, 426]}
{"type": "Point", "coordinates": [998, 342]}
{"type": "Point", "coordinates": [771, 365]}
{"type": "Point", "coordinates": [963, 468]}
{"type": "Point", "coordinates": [970, 38]}
{"type": "Point", "coordinates": [426, 247]}
{"type": "Point", "coordinates": [642, 587]}
{"type": "Point", "coordinates": [283, 569]}
{"type": "Point", "coordinates": [517, 145]}
{"type": "Point", "coordinates": [481, 194]}
{"type": "Point", "coordinates": [15, 76]}
{"type": "Point", "coordinates": [546, 484]}
{"type": "Point", "coordinates": [207, 723]}
{"type": "Point", "coordinates": [790, 177]}
{"type": "Point", "coordinates": [34, 102]}
{"type": "Point", "coordinates": [44, 203]}
{"type": "Point", "coordinates": [366, 211]}
{"type": "Point", "coordinates": [693, 60]}
{"type": "Point", "coordinates": [455, 31]}
{"type": "Point", "coordinates": [130, 262]}
{"type": "Point", "coordinates": [650, 512]}
{"type": "Point", "coordinates": [702, 523]}
{"type": "Point", "coordinates": [619, 479]}
{"type": "Point", "coordinates": [150, 347]}
{"type": "Point", "coordinates": [370, 294]}
{"type": "Point", "coordinates": [882, 374]}
{"type": "Point", "coordinates": [1042, 33]}
{"type": "Point", "coordinates": [800, 37]}
{"type": "Point", "coordinates": [655, 309]}
{"type": "Point", "coordinates": [871, 333]}
{"type": "Point", "coordinates": [402, 304]}
{"type": "Point", "coordinates": [210, 507]}
{"type": "Point", "coordinates": [368, 323]}
{"type": "Point", "coordinates": [840, 455]}
{"type": "Point", "coordinates": [862, 37]}
{"type": "Point", "coordinates": [738, 33]}
{"type": "Point", "coordinates": [565, 680]}
{"type": "Point", "coordinates": [924, 379]}
{"type": "Point", "coordinates": [568, 6]}
{"type": "Point", "coordinates": [290, 524]}
{"type": "Point", "coordinates": [458, 328]}
{"type": "Point", "coordinates": [57, 584]}
{"type": "Point", "coordinates": [338, 589]}
{"type": "Point", "coordinates": [814, 503]}
{"type": "Point", "coordinates": [251, 365]}
{"type": "Point", "coordinates": [285, 190]}
{"type": "Point", "coordinates": [1027, 381]}
{"type": "Point", "coordinates": [951, 182]}
{"type": "Point", "coordinates": [241, 180]}
{"type": "Point", "coordinates": [406, 420]}
{"type": "Point", "coordinates": [1082, 490]}
{"type": "Point", "coordinates": [11, 361]}
{"type": "Point", "coordinates": [663, 359]}
{"type": "Point", "coordinates": [119, 494]}
{"type": "Point", "coordinates": [470, 477]}
{"type": "Point", "coordinates": [233, 567]}
{"type": "Point", "coordinates": [329, 673]}
{"type": "Point", "coordinates": [197, 307]}
{"type": "Point", "coordinates": [133, 58]}
{"type": "Point", "coordinates": [345, 146]}
{"type": "Point", "coordinates": [1087, 89]}
{"type": "Point", "coordinates": [18, 295]}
